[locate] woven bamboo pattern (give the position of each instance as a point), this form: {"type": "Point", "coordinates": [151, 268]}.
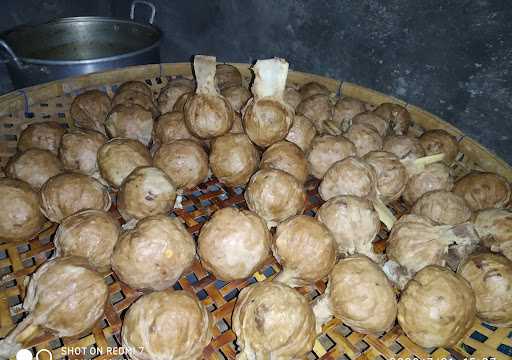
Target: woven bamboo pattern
{"type": "Point", "coordinates": [19, 260]}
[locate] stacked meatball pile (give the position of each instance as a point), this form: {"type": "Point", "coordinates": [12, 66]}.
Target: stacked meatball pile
{"type": "Point", "coordinates": [446, 262]}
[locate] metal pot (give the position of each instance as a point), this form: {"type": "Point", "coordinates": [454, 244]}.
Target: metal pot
{"type": "Point", "coordinates": [79, 45]}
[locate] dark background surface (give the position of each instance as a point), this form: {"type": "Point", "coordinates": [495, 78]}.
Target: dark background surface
{"type": "Point", "coordinates": [453, 58]}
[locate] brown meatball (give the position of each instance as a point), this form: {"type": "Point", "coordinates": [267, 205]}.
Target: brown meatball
{"type": "Point", "coordinates": [20, 217]}
{"type": "Point", "coordinates": [154, 254]}
{"type": "Point", "coordinates": [137, 86]}
{"type": "Point", "coordinates": [131, 122]}
{"type": "Point", "coordinates": [118, 157]}
{"type": "Point", "coordinates": [146, 191]}
{"type": "Point", "coordinates": [288, 157]}
{"type": "Point", "coordinates": [34, 166]}
{"type": "Point", "coordinates": [44, 136]}
{"type": "Point", "coordinates": [171, 92]}
{"type": "Point", "coordinates": [234, 244]}
{"type": "Point", "coordinates": [373, 121]}
{"type": "Point", "coordinates": [365, 139]}
{"type": "Point", "coordinates": [397, 116]}
{"type": "Point", "coordinates": [91, 234]}
{"type": "Point", "coordinates": [313, 88]}
{"type": "Point", "coordinates": [439, 141]}
{"type": "Point", "coordinates": [325, 151]}
{"type": "Point", "coordinates": [302, 133]}
{"type": "Point", "coordinates": [233, 159]}
{"type": "Point", "coordinates": [68, 193]}
{"type": "Point", "coordinates": [437, 308]}
{"type": "Point", "coordinates": [184, 161]}
{"type": "Point", "coordinates": [391, 174]}
{"type": "Point", "coordinates": [170, 127]}
{"type": "Point", "coordinates": [405, 147]}
{"type": "Point", "coordinates": [130, 98]}
{"type": "Point", "coordinates": [275, 195]}
{"type": "Point", "coordinates": [267, 121]}
{"type": "Point", "coordinates": [318, 109]}
{"type": "Point", "coordinates": [237, 96]}
{"type": "Point", "coordinates": [90, 109]}
{"type": "Point", "coordinates": [435, 176]}
{"type": "Point", "coordinates": [483, 190]}
{"type": "Point", "coordinates": [443, 207]}
{"type": "Point", "coordinates": [345, 110]}
{"type": "Point", "coordinates": [79, 150]}
{"type": "Point", "coordinates": [227, 76]}
{"type": "Point", "coordinates": [183, 322]}
{"type": "Point", "coordinates": [318, 251]}
{"type": "Point", "coordinates": [350, 176]}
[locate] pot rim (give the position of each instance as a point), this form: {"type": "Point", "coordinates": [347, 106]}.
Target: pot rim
{"type": "Point", "coordinates": [36, 61]}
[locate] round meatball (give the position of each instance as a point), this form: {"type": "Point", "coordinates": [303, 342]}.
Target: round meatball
{"type": "Point", "coordinates": [154, 254]}
{"type": "Point", "coordinates": [440, 141]}
{"type": "Point", "coordinates": [118, 157]}
{"type": "Point", "coordinates": [167, 325]}
{"type": "Point", "coordinates": [494, 226]}
{"type": "Point", "coordinates": [184, 161]}
{"type": "Point", "coordinates": [237, 96]}
{"type": "Point", "coordinates": [318, 251]}
{"type": "Point", "coordinates": [208, 116]}
{"type": "Point", "coordinates": [325, 151]}
{"type": "Point", "coordinates": [435, 176]}
{"type": "Point", "coordinates": [288, 157]}
{"type": "Point", "coordinates": [302, 133]}
{"type": "Point", "coordinates": [397, 116]}
{"type": "Point", "coordinates": [437, 308]}
{"type": "Point", "coordinates": [234, 244]}
{"type": "Point", "coordinates": [66, 297]}
{"type": "Point", "coordinates": [391, 174]}
{"type": "Point", "coordinates": [354, 223]}
{"type": "Point", "coordinates": [79, 150]}
{"type": "Point", "coordinates": [91, 234]}
{"type": "Point", "coordinates": [170, 127]}
{"type": "Point", "coordinates": [90, 109]}
{"type": "Point", "coordinates": [233, 159]}
{"type": "Point", "coordinates": [44, 136]}
{"type": "Point", "coordinates": [132, 122]}
{"type": "Point", "coordinates": [171, 92]}
{"type": "Point", "coordinates": [360, 295]}
{"type": "Point", "coordinates": [350, 176]}
{"type": "Point", "coordinates": [20, 217]}
{"type": "Point", "coordinates": [483, 190]}
{"type": "Point", "coordinates": [372, 121]}
{"type": "Point", "coordinates": [365, 138]}
{"type": "Point", "coordinates": [407, 148]}
{"type": "Point", "coordinates": [226, 76]}
{"type": "Point", "coordinates": [68, 193]}
{"type": "Point", "coordinates": [273, 321]}
{"type": "Point", "coordinates": [443, 207]}
{"type": "Point", "coordinates": [275, 195]}
{"type": "Point", "coordinates": [345, 110]}
{"type": "Point", "coordinates": [34, 166]}
{"type": "Point", "coordinates": [318, 108]}
{"type": "Point", "coordinates": [267, 121]}
{"type": "Point", "coordinates": [490, 277]}
{"type": "Point", "coordinates": [146, 191]}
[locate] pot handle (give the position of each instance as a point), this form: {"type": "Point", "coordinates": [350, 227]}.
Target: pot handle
{"type": "Point", "coordinates": [147, 3]}
{"type": "Point", "coordinates": [11, 53]}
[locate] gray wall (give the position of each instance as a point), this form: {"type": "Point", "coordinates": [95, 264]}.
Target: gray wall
{"type": "Point", "coordinates": [453, 58]}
